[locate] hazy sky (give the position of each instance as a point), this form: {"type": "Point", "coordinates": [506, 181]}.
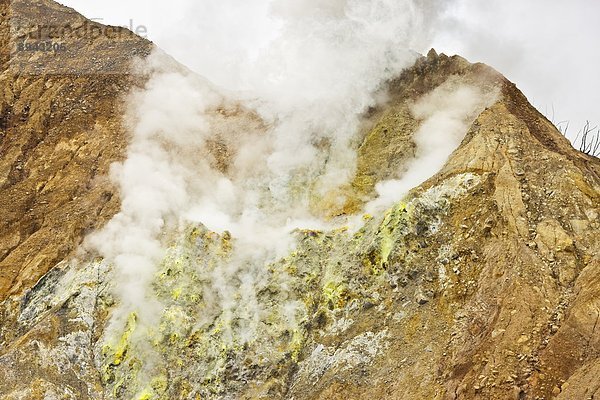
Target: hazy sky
{"type": "Point", "coordinates": [549, 48]}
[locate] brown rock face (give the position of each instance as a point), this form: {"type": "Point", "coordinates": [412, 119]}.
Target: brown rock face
{"type": "Point", "coordinates": [488, 289]}
{"type": "Point", "coordinates": [531, 282]}
{"type": "Point", "coordinates": [60, 129]}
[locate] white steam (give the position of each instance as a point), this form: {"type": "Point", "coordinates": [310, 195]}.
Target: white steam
{"type": "Point", "coordinates": [310, 67]}
{"type": "Point", "coordinates": [273, 125]}
{"type": "Point", "coordinates": [169, 129]}
{"type": "Point", "coordinates": [445, 114]}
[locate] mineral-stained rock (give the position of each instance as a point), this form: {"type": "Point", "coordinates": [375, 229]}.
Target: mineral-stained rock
{"type": "Point", "coordinates": [484, 283]}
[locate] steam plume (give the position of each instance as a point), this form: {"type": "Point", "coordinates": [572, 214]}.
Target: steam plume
{"type": "Point", "coordinates": [286, 85]}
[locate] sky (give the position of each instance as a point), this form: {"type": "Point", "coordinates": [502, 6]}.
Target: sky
{"type": "Point", "coordinates": [549, 48]}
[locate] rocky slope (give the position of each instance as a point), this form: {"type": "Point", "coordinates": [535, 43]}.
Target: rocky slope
{"type": "Point", "coordinates": [59, 133]}
{"type": "Point", "coordinates": [483, 283]}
